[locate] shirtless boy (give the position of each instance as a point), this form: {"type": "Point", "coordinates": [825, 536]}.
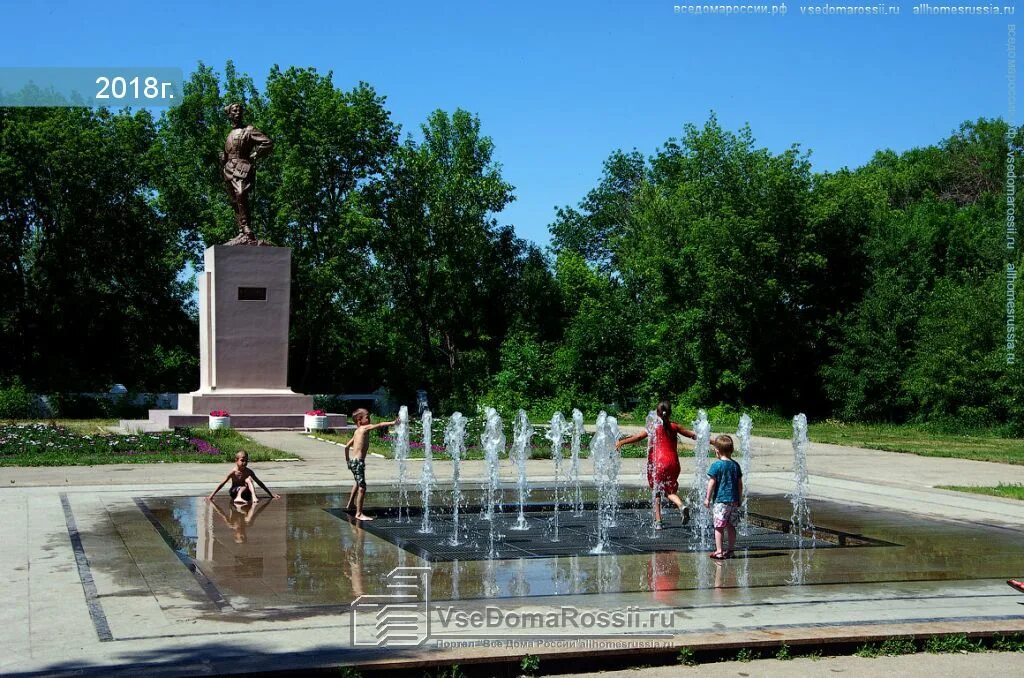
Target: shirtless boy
{"type": "Point", "coordinates": [243, 491]}
{"type": "Point", "coordinates": [360, 442]}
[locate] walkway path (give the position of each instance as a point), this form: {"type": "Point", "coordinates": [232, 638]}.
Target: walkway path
{"type": "Point", "coordinates": [61, 522]}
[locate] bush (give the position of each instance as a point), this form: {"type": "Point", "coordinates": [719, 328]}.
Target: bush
{"type": "Point", "coordinates": [333, 404]}
{"type": "Point", "coordinates": [77, 406]}
{"type": "Point", "coordinates": [88, 406]}
{"type": "Point", "coordinates": [15, 401]}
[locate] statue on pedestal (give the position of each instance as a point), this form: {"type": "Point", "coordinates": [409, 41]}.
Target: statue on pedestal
{"type": "Point", "coordinates": [243, 146]}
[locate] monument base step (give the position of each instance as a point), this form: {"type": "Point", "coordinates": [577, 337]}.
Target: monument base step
{"type": "Point", "coordinates": [268, 402]}
{"type": "Point", "coordinates": [165, 420]}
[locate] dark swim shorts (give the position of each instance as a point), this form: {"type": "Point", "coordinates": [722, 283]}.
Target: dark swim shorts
{"type": "Point", "coordinates": [358, 468]}
{"type": "Point", "coordinates": [240, 490]}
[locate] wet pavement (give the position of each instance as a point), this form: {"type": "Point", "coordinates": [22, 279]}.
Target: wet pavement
{"type": "Point", "coordinates": [125, 576]}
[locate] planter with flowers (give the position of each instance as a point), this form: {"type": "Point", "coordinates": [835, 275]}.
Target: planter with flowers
{"type": "Point", "coordinates": [315, 420]}
{"type": "Point", "coordinates": [220, 419]}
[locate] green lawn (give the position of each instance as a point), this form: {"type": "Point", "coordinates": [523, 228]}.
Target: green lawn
{"type": "Point", "coordinates": [912, 439]}
{"type": "Point", "coordinates": [88, 443]}
{"type": "Point", "coordinates": [1015, 491]}
{"type": "Point", "coordinates": [381, 443]}
{"type": "Point", "coordinates": [925, 440]}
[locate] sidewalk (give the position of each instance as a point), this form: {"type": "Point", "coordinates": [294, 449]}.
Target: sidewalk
{"type": "Point", "coordinates": [75, 543]}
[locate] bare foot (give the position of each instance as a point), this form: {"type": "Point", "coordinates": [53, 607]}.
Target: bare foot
{"type": "Point", "coordinates": [363, 516]}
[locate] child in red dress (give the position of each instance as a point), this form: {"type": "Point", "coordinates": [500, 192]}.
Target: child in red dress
{"type": "Point", "coordinates": [663, 461]}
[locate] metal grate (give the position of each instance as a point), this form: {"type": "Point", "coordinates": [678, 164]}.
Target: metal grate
{"type": "Point", "coordinates": [577, 535]}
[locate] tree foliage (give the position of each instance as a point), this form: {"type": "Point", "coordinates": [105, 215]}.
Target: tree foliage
{"type": "Point", "coordinates": [713, 270]}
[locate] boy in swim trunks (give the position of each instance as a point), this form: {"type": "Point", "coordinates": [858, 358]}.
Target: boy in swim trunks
{"type": "Point", "coordinates": [663, 461]}
{"type": "Point", "coordinates": [725, 488]}
{"type": "Point", "coordinates": [243, 491]}
{"type": "Point", "coordinates": [360, 442]}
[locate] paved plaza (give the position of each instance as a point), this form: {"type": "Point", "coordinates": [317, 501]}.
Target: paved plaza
{"type": "Point", "coordinates": [126, 568]}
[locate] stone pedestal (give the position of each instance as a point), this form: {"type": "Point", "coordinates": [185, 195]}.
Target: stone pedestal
{"type": "Point", "coordinates": [244, 300]}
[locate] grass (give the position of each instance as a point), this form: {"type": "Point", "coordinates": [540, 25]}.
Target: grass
{"type": "Point", "coordinates": [1014, 491]}
{"type": "Point", "coordinates": [890, 647]}
{"type": "Point", "coordinates": [87, 443]}
{"type": "Point", "coordinates": [920, 440]}
{"type": "Point", "coordinates": [381, 441]}
{"type": "Point", "coordinates": [981, 444]}
{"type": "Point", "coordinates": [929, 440]}
{"type": "Point", "coordinates": [955, 643]}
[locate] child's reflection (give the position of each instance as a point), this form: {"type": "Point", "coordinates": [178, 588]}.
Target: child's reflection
{"type": "Point", "coordinates": [240, 517]}
{"type": "Point", "coordinates": [663, 574]}
{"type": "Point", "coordinates": [355, 560]}
{"type": "Point", "coordinates": [725, 575]}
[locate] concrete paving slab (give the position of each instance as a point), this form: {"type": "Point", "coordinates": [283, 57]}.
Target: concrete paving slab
{"type": "Point", "coordinates": [158, 614]}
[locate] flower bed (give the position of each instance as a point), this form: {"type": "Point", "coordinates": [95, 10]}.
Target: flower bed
{"type": "Point", "coordinates": [44, 444]}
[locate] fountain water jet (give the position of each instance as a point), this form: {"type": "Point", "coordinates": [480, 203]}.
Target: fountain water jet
{"type": "Point", "coordinates": [556, 432]}
{"type": "Point", "coordinates": [614, 464]}
{"type": "Point", "coordinates": [455, 443]}
{"type": "Point", "coordinates": [522, 431]}
{"type": "Point", "coordinates": [400, 448]}
{"type": "Point", "coordinates": [650, 423]}
{"type": "Point", "coordinates": [743, 435]}
{"type": "Point", "coordinates": [603, 480]}
{"type": "Point", "coordinates": [574, 466]}
{"type": "Point", "coordinates": [702, 525]}
{"type": "Point", "coordinates": [427, 478]}
{"type": "Point", "coordinates": [493, 442]}
{"type": "Point", "coordinates": [801, 518]}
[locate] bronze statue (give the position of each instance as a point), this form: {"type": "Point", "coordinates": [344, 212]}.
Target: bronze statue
{"type": "Point", "coordinates": [238, 167]}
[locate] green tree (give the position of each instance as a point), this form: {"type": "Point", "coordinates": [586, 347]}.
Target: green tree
{"type": "Point", "coordinates": [89, 265]}
{"type": "Point", "coordinates": [450, 269]}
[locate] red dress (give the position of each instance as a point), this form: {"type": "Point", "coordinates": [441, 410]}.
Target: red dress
{"type": "Point", "coordinates": [663, 460]}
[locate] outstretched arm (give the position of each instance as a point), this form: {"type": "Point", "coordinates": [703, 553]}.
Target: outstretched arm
{"type": "Point", "coordinates": [686, 432]}
{"type": "Point", "coordinates": [382, 424]}
{"type": "Point", "coordinates": [631, 439]}
{"type": "Point", "coordinates": [222, 484]}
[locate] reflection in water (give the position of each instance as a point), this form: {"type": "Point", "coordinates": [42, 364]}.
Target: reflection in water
{"type": "Point", "coordinates": [520, 585]}
{"type": "Point", "coordinates": [575, 574]}
{"type": "Point", "coordinates": [609, 574]}
{"type": "Point", "coordinates": [239, 517]}
{"type": "Point", "coordinates": [801, 559]}
{"type": "Point", "coordinates": [744, 576]}
{"type": "Point", "coordinates": [294, 552]}
{"type": "Point", "coordinates": [355, 561]}
{"type": "Point", "coordinates": [490, 582]}
{"type": "Point", "coordinates": [233, 543]}
{"type": "Point", "coordinates": [456, 573]}
{"type": "Point", "coordinates": [725, 573]}
{"type": "Point", "coordinates": [704, 565]}
{"type": "Point", "coordinates": [663, 575]}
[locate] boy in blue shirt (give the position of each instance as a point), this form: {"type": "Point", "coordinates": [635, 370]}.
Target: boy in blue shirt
{"type": "Point", "coordinates": [725, 488]}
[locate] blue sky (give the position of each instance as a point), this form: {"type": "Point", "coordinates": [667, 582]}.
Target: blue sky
{"type": "Point", "coordinates": [559, 85]}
